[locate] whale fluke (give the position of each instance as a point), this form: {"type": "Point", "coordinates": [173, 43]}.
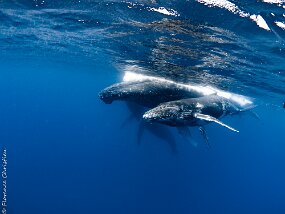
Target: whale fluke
{"type": "Point", "coordinates": [212, 119]}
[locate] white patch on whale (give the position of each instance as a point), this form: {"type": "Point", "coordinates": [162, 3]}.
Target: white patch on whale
{"type": "Point", "coordinates": [199, 105]}
{"type": "Point", "coordinates": [212, 119]}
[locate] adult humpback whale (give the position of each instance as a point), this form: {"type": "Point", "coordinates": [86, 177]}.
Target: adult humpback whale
{"type": "Point", "coordinates": [195, 111]}
{"type": "Point", "coordinates": [150, 91]}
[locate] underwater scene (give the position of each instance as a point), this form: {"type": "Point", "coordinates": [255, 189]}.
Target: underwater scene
{"type": "Point", "coordinates": [142, 107]}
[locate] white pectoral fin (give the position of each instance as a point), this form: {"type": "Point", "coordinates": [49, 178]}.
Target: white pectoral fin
{"type": "Point", "coordinates": [213, 119]}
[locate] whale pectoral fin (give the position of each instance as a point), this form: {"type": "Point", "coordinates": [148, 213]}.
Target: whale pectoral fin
{"type": "Point", "coordinates": [186, 134]}
{"type": "Point", "coordinates": [213, 119]}
{"type": "Point", "coordinates": [127, 121]}
{"type": "Point", "coordinates": [204, 134]}
{"type": "Point", "coordinates": [249, 111]}
{"type": "Point", "coordinates": [248, 108]}
{"type": "Point", "coordinates": [184, 131]}
{"type": "Point", "coordinates": [254, 115]}
{"type": "Point", "coordinates": [140, 133]}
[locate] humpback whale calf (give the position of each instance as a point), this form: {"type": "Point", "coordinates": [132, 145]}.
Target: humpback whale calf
{"type": "Point", "coordinates": [195, 111]}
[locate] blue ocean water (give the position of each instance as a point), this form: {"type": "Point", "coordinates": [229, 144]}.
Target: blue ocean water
{"type": "Point", "coordinates": [68, 152]}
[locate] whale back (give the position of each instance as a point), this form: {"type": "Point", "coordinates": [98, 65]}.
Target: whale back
{"type": "Point", "coordinates": [213, 105]}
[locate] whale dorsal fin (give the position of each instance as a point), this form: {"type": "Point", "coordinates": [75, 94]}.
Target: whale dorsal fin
{"type": "Point", "coordinates": [213, 119]}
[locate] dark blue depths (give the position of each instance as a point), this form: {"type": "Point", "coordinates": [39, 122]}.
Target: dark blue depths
{"type": "Point", "coordinates": [68, 152]}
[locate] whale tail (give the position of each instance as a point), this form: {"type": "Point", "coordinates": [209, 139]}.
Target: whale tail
{"type": "Point", "coordinates": [213, 119]}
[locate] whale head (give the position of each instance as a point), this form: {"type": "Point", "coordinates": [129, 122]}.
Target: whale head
{"type": "Point", "coordinates": [115, 92]}
{"type": "Point", "coordinates": [170, 114]}
{"type": "Point", "coordinates": [127, 91]}
{"type": "Point", "coordinates": [107, 96]}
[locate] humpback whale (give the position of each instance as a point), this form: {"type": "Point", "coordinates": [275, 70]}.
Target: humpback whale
{"type": "Point", "coordinates": [150, 91]}
{"type": "Point", "coordinates": [195, 111]}
{"type": "Point", "coordinates": [147, 93]}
